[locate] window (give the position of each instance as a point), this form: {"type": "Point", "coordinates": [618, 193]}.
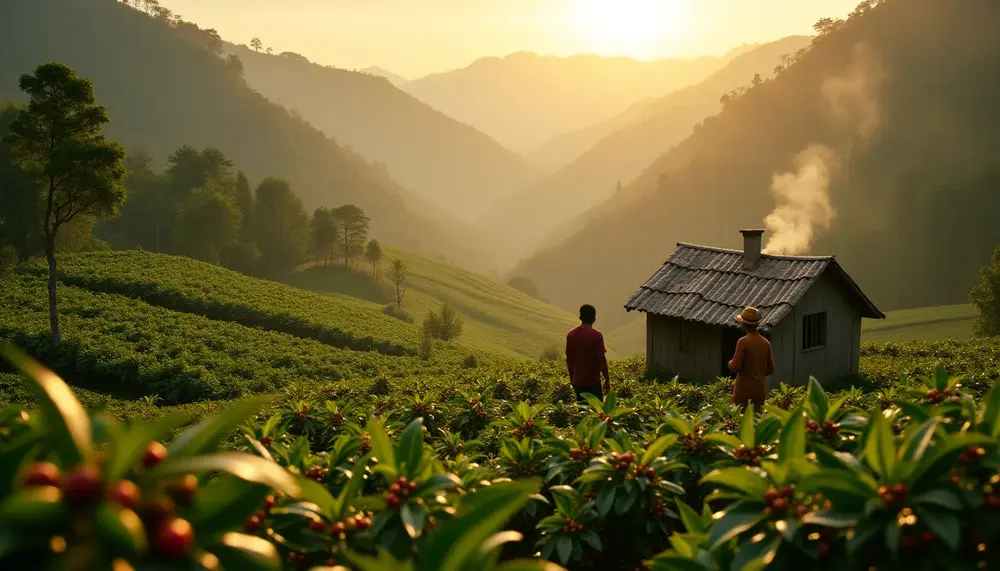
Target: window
{"type": "Point", "coordinates": [813, 331]}
{"type": "Point", "coordinates": [685, 337]}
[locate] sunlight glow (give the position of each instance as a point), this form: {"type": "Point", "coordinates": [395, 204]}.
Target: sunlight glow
{"type": "Point", "coordinates": [635, 28]}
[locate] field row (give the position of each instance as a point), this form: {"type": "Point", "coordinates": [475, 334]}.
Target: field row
{"type": "Point", "coordinates": [189, 286]}
{"type": "Point", "coordinates": [127, 348]}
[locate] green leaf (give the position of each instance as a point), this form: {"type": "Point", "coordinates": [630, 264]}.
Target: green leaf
{"type": "Point", "coordinates": [689, 517]}
{"type": "Point", "coordinates": [244, 466]}
{"type": "Point", "coordinates": [749, 551]}
{"type": "Point", "coordinates": [739, 479]}
{"type": "Point", "coordinates": [350, 490]}
{"type": "Point", "coordinates": [657, 448]}
{"type": "Point", "coordinates": [918, 440]}
{"type": "Point", "coordinates": [131, 444]}
{"type": "Point", "coordinates": [238, 551]}
{"type": "Point", "coordinates": [65, 419]}
{"type": "Point", "coordinates": [411, 448]}
{"type": "Point", "coordinates": [488, 509]}
{"type": "Point", "coordinates": [564, 548]}
{"type": "Point", "coordinates": [723, 439]}
{"type": "Point", "coordinates": [880, 450]}
{"type": "Point", "coordinates": [381, 445]}
{"type": "Point", "coordinates": [34, 510]}
{"type": "Point", "coordinates": [225, 504]}
{"type": "Point", "coordinates": [746, 427]}
{"type": "Point", "coordinates": [942, 522]}
{"type": "Point", "coordinates": [605, 500]}
{"type": "Point", "coordinates": [121, 529]}
{"type": "Point", "coordinates": [316, 493]}
{"type": "Point", "coordinates": [841, 487]}
{"type": "Point", "coordinates": [413, 517]}
{"type": "Point", "coordinates": [737, 518]}
{"type": "Point", "coordinates": [792, 443]}
{"type": "Point", "coordinates": [206, 435]}
{"type": "Point", "coordinates": [990, 415]}
{"type": "Point", "coordinates": [13, 455]}
{"type": "Point", "coordinates": [941, 457]}
{"type": "Point", "coordinates": [669, 562]}
{"type": "Point", "coordinates": [593, 540]}
{"type": "Point", "coordinates": [831, 519]}
{"type": "Point", "coordinates": [818, 400]}
{"type": "Point", "coordinates": [941, 498]}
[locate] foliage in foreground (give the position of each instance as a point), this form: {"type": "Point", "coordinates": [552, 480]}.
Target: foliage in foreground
{"type": "Point", "coordinates": [813, 482]}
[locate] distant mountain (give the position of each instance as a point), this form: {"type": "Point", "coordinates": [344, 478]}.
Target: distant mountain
{"type": "Point", "coordinates": [393, 78]}
{"type": "Point", "coordinates": [164, 88]}
{"type": "Point", "coordinates": [633, 140]}
{"type": "Point", "coordinates": [524, 100]}
{"type": "Point", "coordinates": [879, 145]}
{"type": "Point", "coordinates": [449, 164]}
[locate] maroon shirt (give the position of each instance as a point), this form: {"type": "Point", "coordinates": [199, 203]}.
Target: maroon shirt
{"type": "Point", "coordinates": [584, 348]}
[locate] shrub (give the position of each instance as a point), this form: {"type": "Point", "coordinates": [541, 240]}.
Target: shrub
{"type": "Point", "coordinates": [445, 325]}
{"type": "Point", "coordinates": [551, 353]}
{"type": "Point", "coordinates": [426, 345]}
{"type": "Point", "coordinates": [397, 311]}
{"type": "Point", "coordinates": [470, 362]}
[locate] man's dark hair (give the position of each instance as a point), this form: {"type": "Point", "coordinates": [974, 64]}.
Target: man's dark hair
{"type": "Point", "coordinates": [588, 314]}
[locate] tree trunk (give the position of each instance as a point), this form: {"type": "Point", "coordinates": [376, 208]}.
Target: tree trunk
{"type": "Point", "coordinates": [50, 255]}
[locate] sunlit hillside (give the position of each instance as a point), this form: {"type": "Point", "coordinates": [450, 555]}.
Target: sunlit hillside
{"type": "Point", "coordinates": [496, 317]}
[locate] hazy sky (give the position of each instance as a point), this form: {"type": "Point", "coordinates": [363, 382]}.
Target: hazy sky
{"type": "Point", "coordinates": [416, 37]}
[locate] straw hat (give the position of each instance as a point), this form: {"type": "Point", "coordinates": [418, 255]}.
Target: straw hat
{"type": "Point", "coordinates": [750, 316]}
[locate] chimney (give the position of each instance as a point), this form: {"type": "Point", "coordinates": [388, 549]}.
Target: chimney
{"type": "Point", "coordinates": [751, 248]}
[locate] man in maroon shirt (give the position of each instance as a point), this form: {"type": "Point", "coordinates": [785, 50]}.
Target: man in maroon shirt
{"type": "Point", "coordinates": [585, 357]}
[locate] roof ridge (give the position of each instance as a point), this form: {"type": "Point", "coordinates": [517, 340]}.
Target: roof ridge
{"type": "Point", "coordinates": [740, 252]}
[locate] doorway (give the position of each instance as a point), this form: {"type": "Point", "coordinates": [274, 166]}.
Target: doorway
{"type": "Point", "coordinates": [730, 335]}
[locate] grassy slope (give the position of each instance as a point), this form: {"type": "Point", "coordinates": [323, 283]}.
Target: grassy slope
{"type": "Point", "coordinates": [497, 318]}
{"type": "Point", "coordinates": [922, 324]}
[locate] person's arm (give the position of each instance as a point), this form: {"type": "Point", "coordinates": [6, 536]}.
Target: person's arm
{"type": "Point", "coordinates": [603, 361]}
{"type": "Point", "coordinates": [569, 358]}
{"type": "Point", "coordinates": [770, 361]}
{"type": "Point", "coordinates": [737, 361]}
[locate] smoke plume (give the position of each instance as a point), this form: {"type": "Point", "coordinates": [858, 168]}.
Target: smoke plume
{"type": "Point", "coordinates": [803, 197]}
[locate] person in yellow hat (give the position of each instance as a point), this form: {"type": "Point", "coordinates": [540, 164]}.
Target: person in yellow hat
{"type": "Point", "coordinates": [752, 363]}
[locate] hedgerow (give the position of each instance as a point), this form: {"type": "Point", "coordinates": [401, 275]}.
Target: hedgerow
{"type": "Point", "coordinates": [131, 349]}
{"type": "Point", "coordinates": [186, 285]}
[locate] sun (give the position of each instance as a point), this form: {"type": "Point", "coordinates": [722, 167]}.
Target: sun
{"type": "Point", "coordinates": [634, 28]}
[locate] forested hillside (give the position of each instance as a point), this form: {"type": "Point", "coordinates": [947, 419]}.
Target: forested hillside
{"type": "Point", "coordinates": [647, 130]}
{"type": "Point", "coordinates": [913, 170]}
{"type": "Point", "coordinates": [450, 164]}
{"type": "Point", "coordinates": [164, 88]}
{"type": "Point", "coordinates": [524, 100]}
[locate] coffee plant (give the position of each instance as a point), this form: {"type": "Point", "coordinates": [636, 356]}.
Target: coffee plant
{"type": "Point", "coordinates": [903, 478]}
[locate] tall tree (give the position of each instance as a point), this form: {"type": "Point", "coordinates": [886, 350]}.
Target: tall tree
{"type": "Point", "coordinates": [59, 140]}
{"type": "Point", "coordinates": [280, 224]}
{"type": "Point", "coordinates": [323, 233]}
{"type": "Point", "coordinates": [256, 44]}
{"type": "Point", "coordinates": [352, 223]}
{"type": "Point", "coordinates": [374, 254]}
{"type": "Point", "coordinates": [208, 222]}
{"type": "Point", "coordinates": [398, 274]}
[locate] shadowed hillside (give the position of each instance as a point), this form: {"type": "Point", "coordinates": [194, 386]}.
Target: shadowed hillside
{"type": "Point", "coordinates": [451, 165]}
{"type": "Point", "coordinates": [524, 100]}
{"type": "Point", "coordinates": [164, 89]}
{"type": "Point", "coordinates": [648, 130]}
{"type": "Point", "coordinates": [910, 157]}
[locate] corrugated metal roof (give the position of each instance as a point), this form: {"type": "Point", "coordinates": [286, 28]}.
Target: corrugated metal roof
{"type": "Point", "coordinates": [710, 285]}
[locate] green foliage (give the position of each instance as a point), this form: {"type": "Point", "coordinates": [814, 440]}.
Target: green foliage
{"type": "Point", "coordinates": [374, 253]}
{"type": "Point", "coordinates": [352, 226]}
{"type": "Point", "coordinates": [396, 311]}
{"type": "Point", "coordinates": [323, 234]}
{"type": "Point", "coordinates": [445, 324]}
{"type": "Point", "coordinates": [208, 222]}
{"type": "Point", "coordinates": [58, 140]}
{"type": "Point", "coordinates": [985, 296]}
{"type": "Point", "coordinates": [280, 224]}
{"type": "Point", "coordinates": [397, 275]}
